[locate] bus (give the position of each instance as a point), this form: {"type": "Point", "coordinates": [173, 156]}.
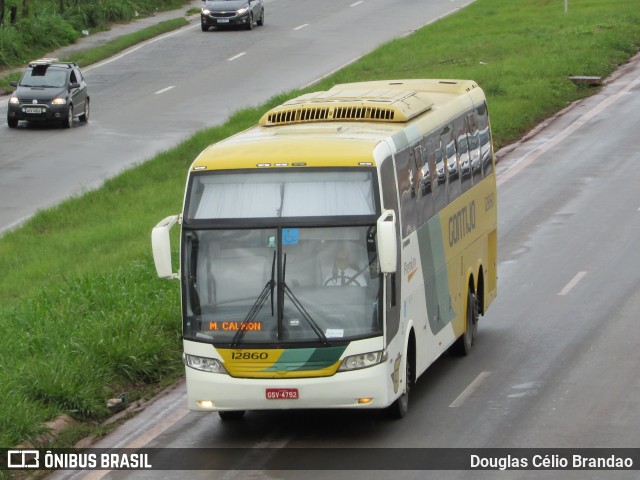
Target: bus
{"type": "Point", "coordinates": [332, 252]}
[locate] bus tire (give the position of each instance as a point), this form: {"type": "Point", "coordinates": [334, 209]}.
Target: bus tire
{"type": "Point", "coordinates": [400, 407]}
{"type": "Point", "coordinates": [226, 415]}
{"type": "Point", "coordinates": [463, 345]}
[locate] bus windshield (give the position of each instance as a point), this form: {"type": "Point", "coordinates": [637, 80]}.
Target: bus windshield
{"type": "Point", "coordinates": [281, 285]}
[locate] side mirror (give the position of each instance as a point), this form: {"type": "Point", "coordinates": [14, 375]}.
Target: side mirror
{"type": "Point", "coordinates": [386, 240]}
{"type": "Point", "coordinates": [161, 246]}
{"type": "Point", "coordinates": [13, 84]}
{"type": "Point", "coordinates": [74, 85]}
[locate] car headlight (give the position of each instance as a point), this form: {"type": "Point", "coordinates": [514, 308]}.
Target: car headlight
{"type": "Point", "coordinates": [14, 101]}
{"type": "Point", "coordinates": [363, 360]}
{"type": "Point", "coordinates": [203, 363]}
{"type": "Point", "coordinates": [206, 11]}
{"type": "Point", "coordinates": [242, 10]}
{"type": "Point", "coordinates": [58, 101]}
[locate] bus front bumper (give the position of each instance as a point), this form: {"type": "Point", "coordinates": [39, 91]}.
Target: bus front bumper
{"type": "Point", "coordinates": [365, 388]}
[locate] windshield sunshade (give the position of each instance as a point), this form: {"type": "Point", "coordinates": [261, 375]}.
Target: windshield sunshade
{"type": "Point", "coordinates": [280, 194]}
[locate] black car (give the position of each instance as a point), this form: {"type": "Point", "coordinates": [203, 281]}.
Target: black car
{"type": "Point", "coordinates": [49, 91]}
{"type": "Point", "coordinates": [224, 13]}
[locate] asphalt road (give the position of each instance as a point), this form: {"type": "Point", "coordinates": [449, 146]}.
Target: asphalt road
{"type": "Point", "coordinates": [556, 361]}
{"type": "Point", "coordinates": [159, 93]}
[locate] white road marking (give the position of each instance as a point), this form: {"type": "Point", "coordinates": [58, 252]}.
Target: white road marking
{"type": "Point", "coordinates": [165, 89]}
{"type": "Point", "coordinates": [357, 3]}
{"type": "Point", "coordinates": [574, 281]}
{"type": "Point", "coordinates": [236, 56]}
{"type": "Point", "coordinates": [301, 26]}
{"type": "Point", "coordinates": [469, 390]}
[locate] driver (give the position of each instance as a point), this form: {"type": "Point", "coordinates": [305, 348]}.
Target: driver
{"type": "Point", "coordinates": [344, 272]}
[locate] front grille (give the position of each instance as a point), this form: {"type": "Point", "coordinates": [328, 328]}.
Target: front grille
{"type": "Point", "coordinates": [223, 14]}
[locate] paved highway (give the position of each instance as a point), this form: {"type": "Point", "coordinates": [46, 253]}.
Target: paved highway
{"type": "Point", "coordinates": [160, 93]}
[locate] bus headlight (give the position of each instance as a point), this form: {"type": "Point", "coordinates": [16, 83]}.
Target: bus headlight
{"type": "Point", "coordinates": [203, 363]}
{"type": "Point", "coordinates": [364, 360]}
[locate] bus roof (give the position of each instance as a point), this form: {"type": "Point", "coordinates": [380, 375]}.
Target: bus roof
{"type": "Point", "coordinates": [340, 126]}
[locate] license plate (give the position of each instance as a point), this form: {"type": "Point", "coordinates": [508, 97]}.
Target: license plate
{"type": "Point", "coordinates": [223, 20]}
{"type": "Point", "coordinates": [32, 110]}
{"type": "Point", "coordinates": [282, 393]}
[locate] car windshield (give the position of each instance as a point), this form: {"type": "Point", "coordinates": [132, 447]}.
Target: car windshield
{"type": "Point", "coordinates": [43, 77]}
{"type": "Point", "coordinates": [281, 285]}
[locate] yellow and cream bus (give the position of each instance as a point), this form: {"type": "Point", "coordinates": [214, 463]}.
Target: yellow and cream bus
{"type": "Point", "coordinates": [333, 252]}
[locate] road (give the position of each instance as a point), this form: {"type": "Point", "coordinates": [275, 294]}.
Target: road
{"type": "Point", "coordinates": [556, 361]}
{"type": "Point", "coordinates": [161, 92]}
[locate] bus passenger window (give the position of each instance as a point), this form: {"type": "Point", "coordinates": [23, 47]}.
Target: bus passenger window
{"type": "Point", "coordinates": [461, 127]}
{"type": "Point", "coordinates": [425, 201]}
{"type": "Point", "coordinates": [405, 170]}
{"type": "Point", "coordinates": [439, 186]}
{"type": "Point", "coordinates": [452, 169]}
{"type": "Point", "coordinates": [484, 137]}
{"type": "Point", "coordinates": [474, 153]}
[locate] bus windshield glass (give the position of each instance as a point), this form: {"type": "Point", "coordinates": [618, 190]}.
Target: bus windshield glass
{"type": "Point", "coordinates": [281, 193]}
{"type": "Point", "coordinates": [281, 285]}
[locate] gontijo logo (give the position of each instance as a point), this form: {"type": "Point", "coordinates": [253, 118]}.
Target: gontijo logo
{"type": "Point", "coordinates": [410, 268]}
{"type": "Point", "coordinates": [462, 223]}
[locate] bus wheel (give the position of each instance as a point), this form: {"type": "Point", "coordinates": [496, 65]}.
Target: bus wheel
{"type": "Point", "coordinates": [400, 407]}
{"type": "Point", "coordinates": [231, 414]}
{"type": "Point", "coordinates": [465, 342]}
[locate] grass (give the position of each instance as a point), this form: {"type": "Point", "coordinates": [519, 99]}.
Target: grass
{"type": "Point", "coordinates": [82, 314]}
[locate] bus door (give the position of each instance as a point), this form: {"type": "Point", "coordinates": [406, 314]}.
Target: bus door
{"type": "Point", "coordinates": [392, 282]}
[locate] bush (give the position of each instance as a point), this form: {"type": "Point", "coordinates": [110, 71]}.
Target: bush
{"type": "Point", "coordinates": [50, 31]}
{"type": "Point", "coordinates": [11, 46]}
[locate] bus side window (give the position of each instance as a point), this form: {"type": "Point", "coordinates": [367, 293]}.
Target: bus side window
{"type": "Point", "coordinates": [473, 137]}
{"type": "Point", "coordinates": [464, 159]}
{"type": "Point", "coordinates": [405, 171]}
{"type": "Point", "coordinates": [451, 163]}
{"type": "Point", "coordinates": [484, 136]}
{"type": "Point", "coordinates": [427, 168]}
{"type": "Point", "coordinates": [439, 186]}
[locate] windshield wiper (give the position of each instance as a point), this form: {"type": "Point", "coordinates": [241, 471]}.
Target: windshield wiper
{"type": "Point", "coordinates": [257, 305]}
{"type": "Point", "coordinates": [314, 326]}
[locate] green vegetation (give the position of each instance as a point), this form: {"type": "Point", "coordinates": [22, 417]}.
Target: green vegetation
{"type": "Point", "coordinates": [31, 29]}
{"type": "Point", "coordinates": [84, 317]}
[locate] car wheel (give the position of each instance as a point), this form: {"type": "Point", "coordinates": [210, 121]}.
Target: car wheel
{"type": "Point", "coordinates": [205, 28]}
{"type": "Point", "coordinates": [250, 22]}
{"type": "Point", "coordinates": [68, 120]}
{"type": "Point", "coordinates": [85, 115]}
{"type": "Point", "coordinates": [13, 122]}
{"type": "Point", "coordinates": [261, 19]}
